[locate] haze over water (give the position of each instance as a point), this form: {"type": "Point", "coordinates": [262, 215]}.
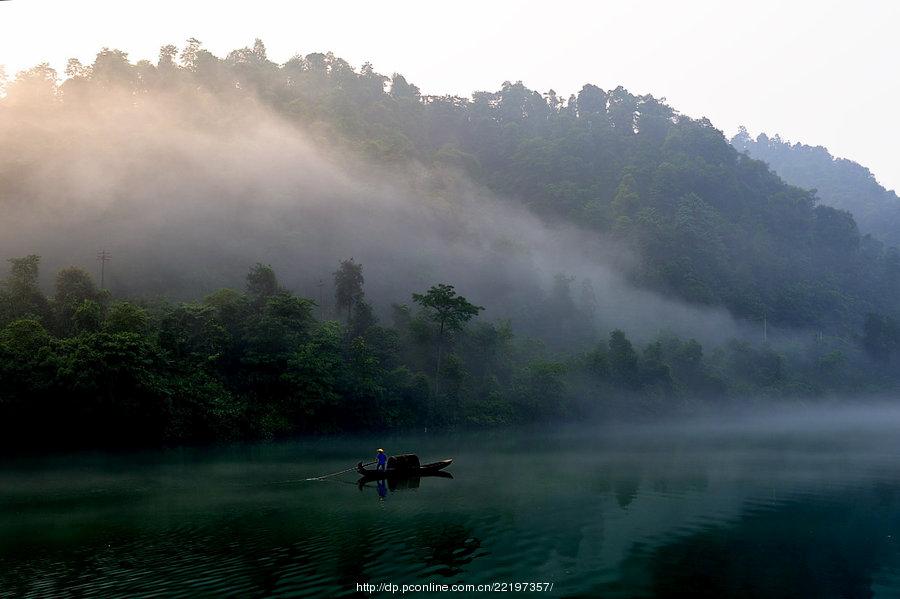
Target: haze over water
{"type": "Point", "coordinates": [720, 507]}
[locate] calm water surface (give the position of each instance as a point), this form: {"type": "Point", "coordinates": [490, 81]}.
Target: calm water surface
{"type": "Point", "coordinates": [804, 509]}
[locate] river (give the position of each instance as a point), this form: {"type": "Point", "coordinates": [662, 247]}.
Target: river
{"type": "Point", "coordinates": [793, 506]}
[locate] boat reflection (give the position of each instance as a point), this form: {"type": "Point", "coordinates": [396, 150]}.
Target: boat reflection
{"type": "Point", "coordinates": [397, 484]}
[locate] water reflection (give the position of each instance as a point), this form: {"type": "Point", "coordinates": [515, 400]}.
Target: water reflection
{"type": "Point", "coordinates": [631, 512]}
{"type": "Point", "coordinates": [397, 484]}
{"type": "Point", "coordinates": [446, 548]}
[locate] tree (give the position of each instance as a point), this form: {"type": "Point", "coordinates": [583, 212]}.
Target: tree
{"type": "Point", "coordinates": [191, 335]}
{"type": "Point", "coordinates": [626, 202]}
{"type": "Point", "coordinates": [112, 68]}
{"type": "Point", "coordinates": [262, 283]}
{"type": "Point", "coordinates": [36, 87]}
{"type": "Point", "coordinates": [403, 90]}
{"type": "Point", "coordinates": [623, 360]}
{"type": "Point", "coordinates": [27, 370]}
{"type": "Point", "coordinates": [541, 390]}
{"type": "Point", "coordinates": [622, 109]}
{"type": "Point", "coordinates": [313, 377]}
{"type": "Point", "coordinates": [125, 317]}
{"type": "Point", "coordinates": [839, 183]}
{"type": "Point", "coordinates": [87, 317]}
{"type": "Point", "coordinates": [362, 320]}
{"type": "Point", "coordinates": [653, 119]}
{"type": "Point", "coordinates": [23, 297]}
{"type": "Point", "coordinates": [114, 386]}
{"type": "Point", "coordinates": [881, 336]}
{"type": "Point", "coordinates": [73, 286]}
{"type": "Point", "coordinates": [23, 273]}
{"type": "Point", "coordinates": [348, 282]}
{"type": "Point", "coordinates": [653, 371]}
{"type": "Point", "coordinates": [591, 103]}
{"type": "Point", "coordinates": [449, 311]}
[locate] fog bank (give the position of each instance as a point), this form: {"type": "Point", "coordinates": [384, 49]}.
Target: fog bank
{"type": "Point", "coordinates": [187, 192]}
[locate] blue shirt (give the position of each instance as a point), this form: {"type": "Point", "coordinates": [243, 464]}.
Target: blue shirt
{"type": "Point", "coordinates": [382, 459]}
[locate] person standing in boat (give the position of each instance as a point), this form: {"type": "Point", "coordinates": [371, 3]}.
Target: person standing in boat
{"type": "Point", "coordinates": [381, 458]}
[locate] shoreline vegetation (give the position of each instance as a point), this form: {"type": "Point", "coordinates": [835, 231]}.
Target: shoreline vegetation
{"type": "Point", "coordinates": [85, 369]}
{"type": "Point", "coordinates": [708, 227]}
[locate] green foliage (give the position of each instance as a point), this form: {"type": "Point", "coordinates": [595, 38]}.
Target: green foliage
{"type": "Point", "coordinates": [24, 337]}
{"type": "Point", "coordinates": [74, 287]}
{"type": "Point", "coordinates": [28, 366]}
{"type": "Point", "coordinates": [262, 282]}
{"type": "Point", "coordinates": [22, 298]}
{"type": "Point", "coordinates": [125, 317]}
{"type": "Point", "coordinates": [450, 312]}
{"type": "Point", "coordinates": [541, 391]}
{"type": "Point", "coordinates": [260, 365]}
{"type": "Point", "coordinates": [314, 373]}
{"type": "Point", "coordinates": [711, 225]}
{"type": "Point", "coordinates": [623, 361]}
{"type": "Point", "coordinates": [881, 336]}
{"type": "Point", "coordinates": [839, 183]}
{"type": "Point", "coordinates": [23, 273]}
{"type": "Point", "coordinates": [88, 317]}
{"type": "Point", "coordinates": [348, 283]}
{"type": "Point", "coordinates": [445, 308]}
{"type": "Point", "coordinates": [192, 334]}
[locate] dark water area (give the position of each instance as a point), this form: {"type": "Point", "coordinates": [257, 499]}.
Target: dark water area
{"type": "Point", "coordinates": [801, 506]}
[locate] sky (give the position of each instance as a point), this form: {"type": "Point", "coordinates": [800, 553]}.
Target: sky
{"type": "Point", "coordinates": [820, 72]}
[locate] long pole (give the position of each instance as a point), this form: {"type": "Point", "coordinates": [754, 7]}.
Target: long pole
{"type": "Point", "coordinates": [336, 473]}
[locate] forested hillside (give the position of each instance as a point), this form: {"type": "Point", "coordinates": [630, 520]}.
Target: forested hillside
{"type": "Point", "coordinates": [711, 226]}
{"type": "Point", "coordinates": [578, 224]}
{"type": "Point", "coordinates": [838, 182]}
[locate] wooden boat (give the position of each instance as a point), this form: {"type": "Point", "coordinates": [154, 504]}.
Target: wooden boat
{"type": "Point", "coordinates": [403, 467]}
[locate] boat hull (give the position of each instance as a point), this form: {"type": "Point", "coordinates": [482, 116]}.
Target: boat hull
{"type": "Point", "coordinates": [424, 470]}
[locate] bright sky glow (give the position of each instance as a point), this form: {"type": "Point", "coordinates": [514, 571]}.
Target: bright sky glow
{"type": "Point", "coordinates": [821, 72]}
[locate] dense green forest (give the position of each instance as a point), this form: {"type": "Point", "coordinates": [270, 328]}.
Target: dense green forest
{"type": "Point", "coordinates": [710, 227]}
{"type": "Point", "coordinates": [84, 368]}
{"type": "Point", "coordinates": [838, 182]}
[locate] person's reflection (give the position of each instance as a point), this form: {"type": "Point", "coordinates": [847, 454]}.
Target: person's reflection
{"type": "Point", "coordinates": [382, 489]}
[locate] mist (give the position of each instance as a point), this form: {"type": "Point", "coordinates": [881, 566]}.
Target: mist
{"type": "Point", "coordinates": [187, 192]}
{"type": "Point", "coordinates": [299, 327]}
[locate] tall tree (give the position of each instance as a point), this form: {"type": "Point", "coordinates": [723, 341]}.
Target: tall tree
{"type": "Point", "coordinates": [623, 360]}
{"type": "Point", "coordinates": [348, 282]}
{"type": "Point", "coordinates": [881, 336]}
{"type": "Point", "coordinates": [450, 312]}
{"type": "Point", "coordinates": [22, 295]}
{"type": "Point", "coordinates": [591, 103]}
{"type": "Point", "coordinates": [73, 287]}
{"type": "Point", "coordinates": [262, 283]}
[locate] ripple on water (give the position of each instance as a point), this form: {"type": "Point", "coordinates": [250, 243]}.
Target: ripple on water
{"type": "Point", "coordinates": [595, 522]}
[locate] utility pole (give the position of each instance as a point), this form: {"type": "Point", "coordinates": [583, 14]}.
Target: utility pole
{"type": "Point", "coordinates": [321, 287]}
{"type": "Point", "coordinates": [103, 257]}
